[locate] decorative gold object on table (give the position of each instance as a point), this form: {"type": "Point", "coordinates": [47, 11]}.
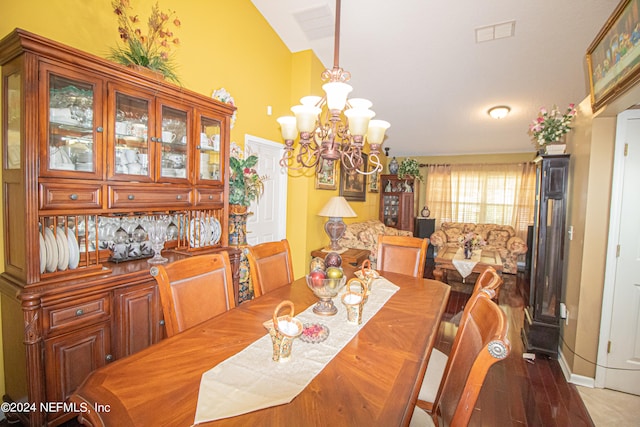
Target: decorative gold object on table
{"type": "Point", "coordinates": [283, 330]}
{"type": "Point", "coordinates": [325, 289]}
{"type": "Point", "coordinates": [354, 301]}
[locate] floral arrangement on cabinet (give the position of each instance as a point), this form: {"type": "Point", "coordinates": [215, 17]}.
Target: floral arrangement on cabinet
{"type": "Point", "coordinates": [151, 49]}
{"type": "Point", "coordinates": [245, 185]}
{"type": "Point", "coordinates": [551, 126]}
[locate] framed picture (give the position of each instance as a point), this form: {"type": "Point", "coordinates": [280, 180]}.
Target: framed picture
{"type": "Point", "coordinates": [326, 176]}
{"type": "Point", "coordinates": [353, 186]}
{"type": "Point", "coordinates": [373, 182]}
{"type": "Point", "coordinates": [613, 59]}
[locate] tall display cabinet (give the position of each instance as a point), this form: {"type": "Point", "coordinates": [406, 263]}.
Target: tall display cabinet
{"type": "Point", "coordinates": [398, 201]}
{"type": "Point", "coordinates": [92, 152]}
{"type": "Point", "coordinates": [541, 331]}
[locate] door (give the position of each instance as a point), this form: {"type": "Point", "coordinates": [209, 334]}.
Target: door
{"type": "Point", "coordinates": [268, 222]}
{"type": "Point", "coordinates": [624, 335]}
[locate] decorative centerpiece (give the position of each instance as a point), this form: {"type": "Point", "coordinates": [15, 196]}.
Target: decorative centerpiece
{"type": "Point", "coordinates": [152, 50]}
{"type": "Point", "coordinates": [325, 279]}
{"type": "Point", "coordinates": [283, 330]}
{"type": "Point", "coordinates": [470, 242]}
{"type": "Point", "coordinates": [409, 168]}
{"type": "Point", "coordinates": [245, 186]}
{"type": "Point", "coordinates": [548, 130]}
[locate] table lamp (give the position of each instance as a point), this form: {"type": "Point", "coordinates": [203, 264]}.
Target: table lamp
{"type": "Point", "coordinates": [336, 209]}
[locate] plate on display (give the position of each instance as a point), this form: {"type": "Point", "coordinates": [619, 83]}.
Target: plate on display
{"type": "Point", "coordinates": [63, 249]}
{"type": "Point", "coordinates": [43, 254]}
{"type": "Point", "coordinates": [199, 233]}
{"type": "Point", "coordinates": [216, 230]}
{"type": "Point", "coordinates": [74, 250]}
{"type": "Point", "coordinates": [52, 250]}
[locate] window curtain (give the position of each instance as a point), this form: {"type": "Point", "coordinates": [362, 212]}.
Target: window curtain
{"type": "Point", "coordinates": [483, 193]}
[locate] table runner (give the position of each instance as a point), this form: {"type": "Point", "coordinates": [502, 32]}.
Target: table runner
{"type": "Point", "coordinates": [463, 265]}
{"type": "Point", "coordinates": [250, 380]}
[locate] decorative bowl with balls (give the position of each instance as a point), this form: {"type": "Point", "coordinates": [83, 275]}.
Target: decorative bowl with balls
{"type": "Point", "coordinates": [325, 285]}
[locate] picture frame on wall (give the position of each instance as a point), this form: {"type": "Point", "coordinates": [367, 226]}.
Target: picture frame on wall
{"type": "Point", "coordinates": [326, 176]}
{"type": "Point", "coordinates": [613, 58]}
{"type": "Point", "coordinates": [353, 186]}
{"type": "Point", "coordinates": [373, 182]}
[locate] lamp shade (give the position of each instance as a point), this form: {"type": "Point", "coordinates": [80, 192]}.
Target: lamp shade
{"type": "Point", "coordinates": [306, 116]}
{"type": "Point", "coordinates": [337, 207]}
{"type": "Point", "coordinates": [359, 120]}
{"type": "Point", "coordinates": [288, 127]}
{"type": "Point", "coordinates": [377, 128]}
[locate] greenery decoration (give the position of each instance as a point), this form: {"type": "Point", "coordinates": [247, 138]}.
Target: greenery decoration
{"type": "Point", "coordinates": [245, 185]}
{"type": "Point", "coordinates": [409, 168]}
{"type": "Point", "coordinates": [151, 50]}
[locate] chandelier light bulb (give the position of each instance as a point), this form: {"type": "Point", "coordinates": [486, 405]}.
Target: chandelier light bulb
{"type": "Point", "coordinates": [377, 128]}
{"type": "Point", "coordinates": [359, 120]}
{"type": "Point", "coordinates": [306, 117]}
{"type": "Point", "coordinates": [336, 94]}
{"type": "Point", "coordinates": [288, 127]}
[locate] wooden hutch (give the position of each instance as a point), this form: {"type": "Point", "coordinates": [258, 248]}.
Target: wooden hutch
{"type": "Point", "coordinates": [91, 152]}
{"type": "Point", "coordinates": [398, 201]}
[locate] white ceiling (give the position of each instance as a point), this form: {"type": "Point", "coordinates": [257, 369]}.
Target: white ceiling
{"type": "Point", "coordinates": [419, 63]}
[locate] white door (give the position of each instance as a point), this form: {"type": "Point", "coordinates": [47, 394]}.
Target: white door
{"type": "Point", "coordinates": [624, 332]}
{"type": "Point", "coordinates": [268, 222]}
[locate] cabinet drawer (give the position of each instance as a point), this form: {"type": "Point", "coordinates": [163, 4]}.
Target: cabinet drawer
{"type": "Point", "coordinates": [209, 197]}
{"type": "Point", "coordinates": [80, 311]}
{"type": "Point", "coordinates": [160, 196]}
{"type": "Point", "coordinates": [70, 196]}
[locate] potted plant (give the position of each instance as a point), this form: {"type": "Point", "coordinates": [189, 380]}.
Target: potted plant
{"type": "Point", "coordinates": [151, 50]}
{"type": "Point", "coordinates": [409, 168]}
{"type": "Point", "coordinates": [550, 127]}
{"type": "Point", "coordinates": [245, 185]}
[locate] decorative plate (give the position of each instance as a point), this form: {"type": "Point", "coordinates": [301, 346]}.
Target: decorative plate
{"type": "Point", "coordinates": [314, 333]}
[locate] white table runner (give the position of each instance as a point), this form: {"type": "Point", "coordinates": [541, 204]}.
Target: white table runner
{"type": "Point", "coordinates": [251, 380]}
{"type": "Point", "coordinates": [463, 265]}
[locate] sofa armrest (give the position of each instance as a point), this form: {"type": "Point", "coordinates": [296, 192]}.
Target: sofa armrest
{"type": "Point", "coordinates": [438, 239]}
{"type": "Point", "coordinates": [517, 246]}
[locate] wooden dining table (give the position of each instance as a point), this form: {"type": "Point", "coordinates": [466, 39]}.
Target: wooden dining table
{"type": "Point", "coordinates": [374, 380]}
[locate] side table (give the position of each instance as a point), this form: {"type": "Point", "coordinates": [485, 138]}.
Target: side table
{"type": "Point", "coordinates": [350, 256]}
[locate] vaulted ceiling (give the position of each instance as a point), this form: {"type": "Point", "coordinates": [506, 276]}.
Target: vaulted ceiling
{"type": "Point", "coordinates": [422, 65]}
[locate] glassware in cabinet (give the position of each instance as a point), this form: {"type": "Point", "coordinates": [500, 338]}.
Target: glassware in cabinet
{"type": "Point", "coordinates": [132, 150]}
{"type": "Point", "coordinates": [209, 163]}
{"type": "Point", "coordinates": [173, 140]}
{"type": "Point", "coordinates": [73, 129]}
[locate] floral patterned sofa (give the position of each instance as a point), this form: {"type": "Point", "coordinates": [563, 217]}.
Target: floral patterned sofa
{"type": "Point", "coordinates": [364, 235]}
{"type": "Point", "coordinates": [498, 237]}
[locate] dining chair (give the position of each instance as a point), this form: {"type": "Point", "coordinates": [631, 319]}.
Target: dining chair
{"type": "Point", "coordinates": [270, 266]}
{"type": "Point", "coordinates": [194, 289]}
{"type": "Point", "coordinates": [402, 254]}
{"type": "Point", "coordinates": [480, 342]}
{"type": "Point", "coordinates": [489, 279]}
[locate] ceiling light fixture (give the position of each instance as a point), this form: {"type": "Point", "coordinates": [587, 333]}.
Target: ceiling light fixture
{"type": "Point", "coordinates": [326, 136]}
{"type": "Point", "coordinates": [499, 112]}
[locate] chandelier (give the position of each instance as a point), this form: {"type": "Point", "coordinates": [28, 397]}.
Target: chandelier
{"type": "Point", "coordinates": [333, 127]}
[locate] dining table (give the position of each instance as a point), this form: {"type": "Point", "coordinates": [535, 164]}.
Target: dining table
{"type": "Point", "coordinates": [373, 380]}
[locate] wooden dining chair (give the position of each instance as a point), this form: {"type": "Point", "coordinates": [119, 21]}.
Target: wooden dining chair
{"type": "Point", "coordinates": [402, 254]}
{"type": "Point", "coordinates": [480, 342]}
{"type": "Point", "coordinates": [270, 266]}
{"type": "Point", "coordinates": [489, 279]}
{"type": "Point", "coordinates": [194, 289]}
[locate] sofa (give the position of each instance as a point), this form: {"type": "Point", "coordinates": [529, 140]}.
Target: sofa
{"type": "Point", "coordinates": [497, 237]}
{"type": "Point", "coordinates": [364, 235]}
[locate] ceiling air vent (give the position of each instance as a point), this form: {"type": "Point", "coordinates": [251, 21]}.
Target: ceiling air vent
{"type": "Point", "coordinates": [496, 31]}
{"type": "Point", "coordinates": [316, 23]}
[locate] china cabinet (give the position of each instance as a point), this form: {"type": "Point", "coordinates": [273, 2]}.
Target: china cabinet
{"type": "Point", "coordinates": [93, 154]}
{"type": "Point", "coordinates": [541, 331]}
{"type": "Point", "coordinates": [398, 201]}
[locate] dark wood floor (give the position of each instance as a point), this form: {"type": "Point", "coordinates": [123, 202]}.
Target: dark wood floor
{"type": "Point", "coordinates": [516, 392]}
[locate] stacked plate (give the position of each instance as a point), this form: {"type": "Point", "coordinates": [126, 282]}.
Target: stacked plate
{"type": "Point", "coordinates": [58, 251]}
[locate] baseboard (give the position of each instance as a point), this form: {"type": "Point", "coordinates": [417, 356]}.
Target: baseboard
{"type": "Point", "coordinates": [572, 378]}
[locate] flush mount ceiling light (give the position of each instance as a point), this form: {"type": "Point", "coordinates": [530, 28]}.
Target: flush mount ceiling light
{"type": "Point", "coordinates": [499, 112]}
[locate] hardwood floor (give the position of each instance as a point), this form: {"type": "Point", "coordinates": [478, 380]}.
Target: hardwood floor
{"type": "Point", "coordinates": [516, 392]}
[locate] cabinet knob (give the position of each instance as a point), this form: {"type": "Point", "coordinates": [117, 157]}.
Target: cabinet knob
{"type": "Point", "coordinates": [131, 197]}
{"type": "Point", "coordinates": [79, 312]}
{"type": "Point", "coordinates": [162, 322]}
{"type": "Point", "coordinates": [108, 357]}
{"type": "Point", "coordinates": [179, 197]}
{"type": "Point", "coordinates": [154, 139]}
{"type": "Point", "coordinates": [100, 129]}
{"type": "Point", "coordinates": [73, 196]}
{"type": "Point", "coordinates": [210, 197]}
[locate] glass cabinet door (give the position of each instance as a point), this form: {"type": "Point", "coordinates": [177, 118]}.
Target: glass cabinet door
{"type": "Point", "coordinates": [173, 140]}
{"type": "Point", "coordinates": [208, 165]}
{"type": "Point", "coordinates": [73, 125]}
{"type": "Point", "coordinates": [132, 153]}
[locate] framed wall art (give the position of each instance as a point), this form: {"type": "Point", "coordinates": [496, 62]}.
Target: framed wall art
{"type": "Point", "coordinates": [373, 182]}
{"type": "Point", "coordinates": [353, 186]}
{"type": "Point", "coordinates": [326, 176]}
{"type": "Point", "coordinates": [613, 59]}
